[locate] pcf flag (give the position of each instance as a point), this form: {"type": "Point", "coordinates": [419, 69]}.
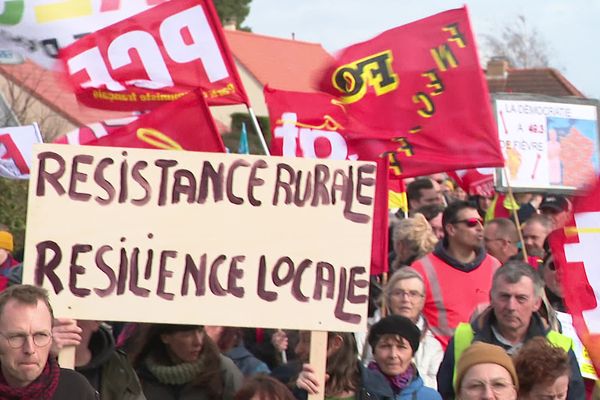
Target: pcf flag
{"type": "Point", "coordinates": [575, 251]}
{"type": "Point", "coordinates": [421, 90]}
{"type": "Point", "coordinates": [16, 150]}
{"type": "Point", "coordinates": [185, 124]}
{"type": "Point", "coordinates": [155, 57]}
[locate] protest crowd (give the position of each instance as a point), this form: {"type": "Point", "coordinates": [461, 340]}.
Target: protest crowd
{"type": "Point", "coordinates": [463, 298]}
{"type": "Point", "coordinates": [448, 320]}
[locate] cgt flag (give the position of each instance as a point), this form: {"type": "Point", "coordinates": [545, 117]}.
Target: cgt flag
{"type": "Point", "coordinates": [155, 57]}
{"type": "Point", "coordinates": [315, 125]}
{"type": "Point", "coordinates": [185, 124]}
{"type": "Point", "coordinates": [575, 251]}
{"type": "Point", "coordinates": [421, 90]}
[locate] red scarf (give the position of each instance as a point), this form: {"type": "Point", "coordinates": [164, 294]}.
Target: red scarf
{"type": "Point", "coordinates": [42, 388]}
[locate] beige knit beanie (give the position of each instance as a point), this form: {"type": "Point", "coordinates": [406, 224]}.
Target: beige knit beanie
{"type": "Point", "coordinates": [484, 353]}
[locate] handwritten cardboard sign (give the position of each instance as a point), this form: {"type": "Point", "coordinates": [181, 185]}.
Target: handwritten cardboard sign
{"type": "Point", "coordinates": [549, 143]}
{"type": "Point", "coordinates": [184, 237]}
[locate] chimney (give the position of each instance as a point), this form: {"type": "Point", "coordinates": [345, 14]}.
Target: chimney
{"type": "Point", "coordinates": [230, 24]}
{"type": "Point", "coordinates": [497, 68]}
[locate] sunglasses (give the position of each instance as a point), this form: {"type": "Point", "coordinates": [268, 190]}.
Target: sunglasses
{"type": "Point", "coordinates": [470, 222]}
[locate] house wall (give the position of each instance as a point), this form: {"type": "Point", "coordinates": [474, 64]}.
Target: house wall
{"type": "Point", "coordinates": [28, 109]}
{"type": "Point", "coordinates": [254, 89]}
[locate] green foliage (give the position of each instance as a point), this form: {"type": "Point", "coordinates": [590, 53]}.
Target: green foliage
{"type": "Point", "coordinates": [232, 139]}
{"type": "Point", "coordinates": [13, 208]}
{"type": "Point", "coordinates": [233, 10]}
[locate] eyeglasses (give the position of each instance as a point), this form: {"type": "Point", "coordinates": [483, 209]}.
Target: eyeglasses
{"type": "Point", "coordinates": [411, 294]}
{"type": "Point", "coordinates": [500, 387]}
{"type": "Point", "coordinates": [470, 222]}
{"type": "Point", "coordinates": [17, 340]}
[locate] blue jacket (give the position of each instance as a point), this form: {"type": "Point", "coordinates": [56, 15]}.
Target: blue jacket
{"type": "Point", "coordinates": [246, 362]}
{"type": "Point", "coordinates": [418, 391]}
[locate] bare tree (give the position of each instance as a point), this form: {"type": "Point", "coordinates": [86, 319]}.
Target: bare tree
{"type": "Point", "coordinates": [27, 107]}
{"type": "Point", "coordinates": [521, 45]}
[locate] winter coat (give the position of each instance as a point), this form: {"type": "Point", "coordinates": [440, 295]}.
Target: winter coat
{"type": "Point", "coordinates": [482, 332]}
{"type": "Point", "coordinates": [109, 371]}
{"type": "Point", "coordinates": [417, 391]}
{"type": "Point", "coordinates": [246, 362]}
{"type": "Point", "coordinates": [73, 386]}
{"type": "Point", "coordinates": [427, 359]}
{"type": "Point", "coordinates": [155, 390]}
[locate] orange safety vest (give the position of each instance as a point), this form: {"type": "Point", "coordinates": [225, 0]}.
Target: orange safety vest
{"type": "Point", "coordinates": [451, 295]}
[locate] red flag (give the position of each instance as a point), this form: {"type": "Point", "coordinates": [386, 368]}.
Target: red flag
{"type": "Point", "coordinates": [185, 124]}
{"type": "Point", "coordinates": [421, 90]}
{"type": "Point", "coordinates": [575, 251]}
{"type": "Point", "coordinates": [87, 133]}
{"type": "Point", "coordinates": [315, 125]}
{"type": "Point", "coordinates": [476, 182]}
{"type": "Point", "coordinates": [154, 57]}
{"type": "Point", "coordinates": [16, 150]}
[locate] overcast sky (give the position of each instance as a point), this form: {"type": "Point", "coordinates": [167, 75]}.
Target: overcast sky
{"type": "Point", "coordinates": [571, 28]}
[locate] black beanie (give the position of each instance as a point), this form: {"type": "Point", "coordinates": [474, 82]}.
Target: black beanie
{"type": "Point", "coordinates": [396, 325]}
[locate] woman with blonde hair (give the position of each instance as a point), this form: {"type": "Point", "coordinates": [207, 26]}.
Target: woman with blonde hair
{"type": "Point", "coordinates": [413, 239]}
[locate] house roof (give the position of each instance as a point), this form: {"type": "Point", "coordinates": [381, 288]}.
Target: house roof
{"type": "Point", "coordinates": [546, 81]}
{"type": "Point", "coordinates": [53, 91]}
{"type": "Point", "coordinates": [280, 63]}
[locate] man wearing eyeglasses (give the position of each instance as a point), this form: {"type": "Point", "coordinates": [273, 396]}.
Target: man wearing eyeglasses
{"type": "Point", "coordinates": [458, 274]}
{"type": "Point", "coordinates": [27, 369]}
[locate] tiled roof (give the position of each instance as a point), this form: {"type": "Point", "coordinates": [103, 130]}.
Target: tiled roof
{"type": "Point", "coordinates": [546, 81]}
{"type": "Point", "coordinates": [50, 88]}
{"type": "Point", "coordinates": [280, 63]}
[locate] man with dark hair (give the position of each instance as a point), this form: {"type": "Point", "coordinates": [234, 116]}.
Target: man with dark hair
{"type": "Point", "coordinates": [511, 320]}
{"type": "Point", "coordinates": [423, 191]}
{"type": "Point", "coordinates": [501, 237]}
{"type": "Point", "coordinates": [458, 273]}
{"type": "Point", "coordinates": [556, 207]}
{"type": "Point", "coordinates": [28, 371]}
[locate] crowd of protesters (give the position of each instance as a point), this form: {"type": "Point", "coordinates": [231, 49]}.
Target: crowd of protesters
{"type": "Point", "coordinates": [471, 308]}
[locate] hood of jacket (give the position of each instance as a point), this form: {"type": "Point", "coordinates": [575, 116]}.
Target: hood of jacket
{"type": "Point", "coordinates": [441, 252]}
{"type": "Point", "coordinates": [102, 346]}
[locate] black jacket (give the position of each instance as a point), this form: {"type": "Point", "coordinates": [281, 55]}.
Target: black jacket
{"type": "Point", "coordinates": [73, 386]}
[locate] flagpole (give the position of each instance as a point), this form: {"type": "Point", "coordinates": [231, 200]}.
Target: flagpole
{"type": "Point", "coordinates": [38, 132]}
{"type": "Point", "coordinates": [515, 214]}
{"type": "Point", "coordinates": [258, 130]}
